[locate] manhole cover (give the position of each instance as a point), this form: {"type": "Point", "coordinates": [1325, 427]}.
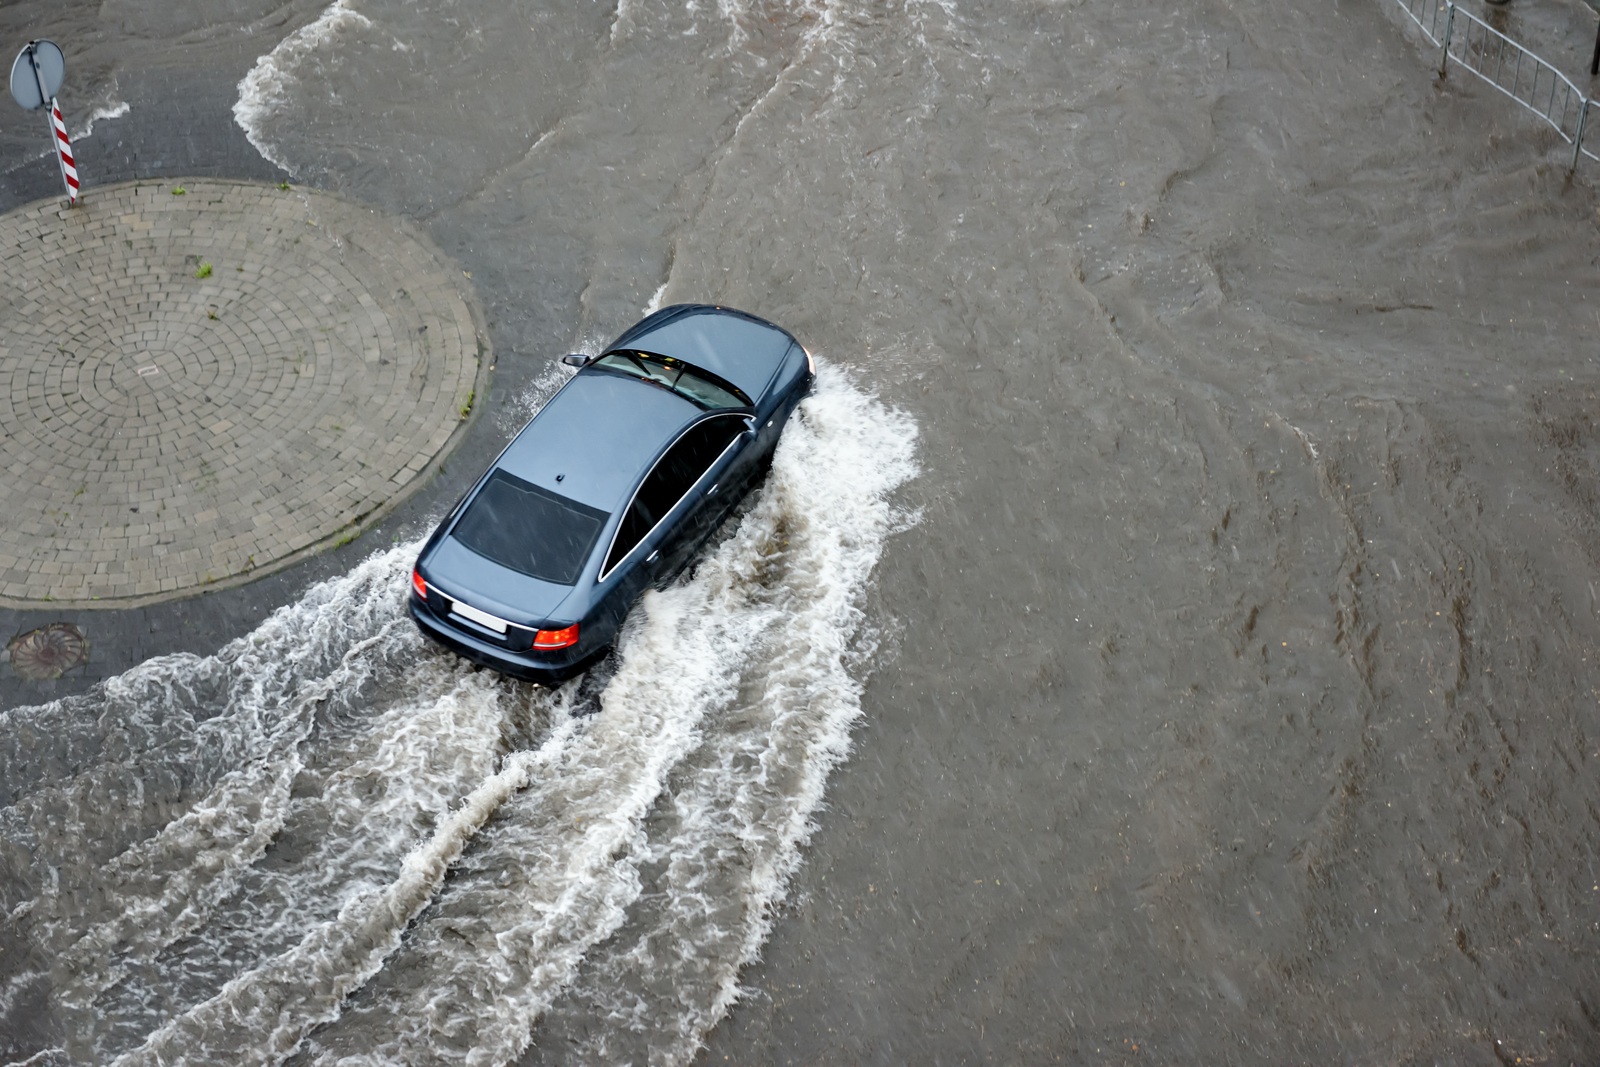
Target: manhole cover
{"type": "Point", "coordinates": [48, 652]}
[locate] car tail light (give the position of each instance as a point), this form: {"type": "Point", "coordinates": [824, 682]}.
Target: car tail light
{"type": "Point", "coordinates": [548, 639]}
{"type": "Point", "coordinates": [418, 584]}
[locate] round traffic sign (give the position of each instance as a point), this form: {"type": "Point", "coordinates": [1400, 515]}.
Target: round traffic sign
{"type": "Point", "coordinates": [37, 74]}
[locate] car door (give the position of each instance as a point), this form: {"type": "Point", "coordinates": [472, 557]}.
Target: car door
{"type": "Point", "coordinates": [683, 495]}
{"type": "Point", "coordinates": [632, 560]}
{"type": "Point", "coordinates": [670, 512]}
{"type": "Point", "coordinates": [718, 447]}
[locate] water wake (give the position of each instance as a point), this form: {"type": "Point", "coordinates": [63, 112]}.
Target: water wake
{"type": "Point", "coordinates": [276, 74]}
{"type": "Point", "coordinates": [724, 842]}
{"type": "Point", "coordinates": [333, 843]}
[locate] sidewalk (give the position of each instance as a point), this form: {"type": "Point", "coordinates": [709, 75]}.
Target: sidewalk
{"type": "Point", "coordinates": [198, 388]}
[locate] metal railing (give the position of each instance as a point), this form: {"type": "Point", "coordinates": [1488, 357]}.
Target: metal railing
{"type": "Point", "coordinates": [1488, 54]}
{"type": "Point", "coordinates": [1430, 15]}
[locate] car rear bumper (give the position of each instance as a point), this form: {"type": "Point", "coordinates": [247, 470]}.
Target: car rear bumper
{"type": "Point", "coordinates": [549, 668]}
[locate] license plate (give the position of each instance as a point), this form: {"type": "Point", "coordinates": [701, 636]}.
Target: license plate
{"type": "Point", "coordinates": [482, 618]}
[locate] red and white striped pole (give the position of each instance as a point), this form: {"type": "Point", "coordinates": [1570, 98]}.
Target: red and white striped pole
{"type": "Point", "coordinates": [69, 169]}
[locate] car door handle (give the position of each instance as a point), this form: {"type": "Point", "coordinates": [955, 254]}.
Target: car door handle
{"type": "Point", "coordinates": [651, 558]}
{"type": "Point", "coordinates": [713, 490]}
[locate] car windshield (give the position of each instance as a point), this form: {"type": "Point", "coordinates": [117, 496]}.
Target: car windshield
{"type": "Point", "coordinates": [692, 383]}
{"type": "Point", "coordinates": [531, 530]}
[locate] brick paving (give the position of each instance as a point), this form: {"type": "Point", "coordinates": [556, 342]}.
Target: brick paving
{"type": "Point", "coordinates": [196, 389]}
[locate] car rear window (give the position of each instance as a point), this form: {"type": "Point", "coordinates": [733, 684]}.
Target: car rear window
{"type": "Point", "coordinates": [528, 529]}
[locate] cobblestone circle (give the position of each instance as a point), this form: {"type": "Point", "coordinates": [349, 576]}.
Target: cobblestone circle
{"type": "Point", "coordinates": [201, 381]}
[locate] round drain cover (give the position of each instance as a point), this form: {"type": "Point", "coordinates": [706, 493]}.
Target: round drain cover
{"type": "Point", "coordinates": [48, 652]}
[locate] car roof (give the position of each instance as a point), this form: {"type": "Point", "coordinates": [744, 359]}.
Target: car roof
{"type": "Point", "coordinates": [734, 345]}
{"type": "Point", "coordinates": [600, 433]}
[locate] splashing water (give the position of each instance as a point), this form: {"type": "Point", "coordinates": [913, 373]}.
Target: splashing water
{"type": "Point", "coordinates": [275, 74]}
{"type": "Point", "coordinates": [334, 843]}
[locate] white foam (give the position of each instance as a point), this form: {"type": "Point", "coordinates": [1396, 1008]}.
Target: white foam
{"type": "Point", "coordinates": [621, 22]}
{"type": "Point", "coordinates": [105, 111]}
{"type": "Point", "coordinates": [283, 998]}
{"type": "Point", "coordinates": [260, 698]}
{"type": "Point", "coordinates": [275, 75]}
{"type": "Point", "coordinates": [18, 984]}
{"type": "Point", "coordinates": [656, 298]}
{"type": "Point", "coordinates": [732, 12]}
{"type": "Point", "coordinates": [525, 405]}
{"type": "Point", "coordinates": [557, 873]}
{"type": "Point", "coordinates": [729, 833]}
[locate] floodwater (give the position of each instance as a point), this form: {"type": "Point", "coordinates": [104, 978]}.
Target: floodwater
{"type": "Point", "coordinates": [1168, 634]}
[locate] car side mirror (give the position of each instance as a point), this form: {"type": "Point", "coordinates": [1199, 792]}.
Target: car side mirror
{"type": "Point", "coordinates": [576, 359]}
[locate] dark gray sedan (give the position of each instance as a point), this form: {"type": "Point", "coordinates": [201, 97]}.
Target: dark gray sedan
{"type": "Point", "coordinates": [612, 486]}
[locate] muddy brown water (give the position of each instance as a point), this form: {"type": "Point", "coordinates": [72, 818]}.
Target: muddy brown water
{"type": "Point", "coordinates": [1202, 501]}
